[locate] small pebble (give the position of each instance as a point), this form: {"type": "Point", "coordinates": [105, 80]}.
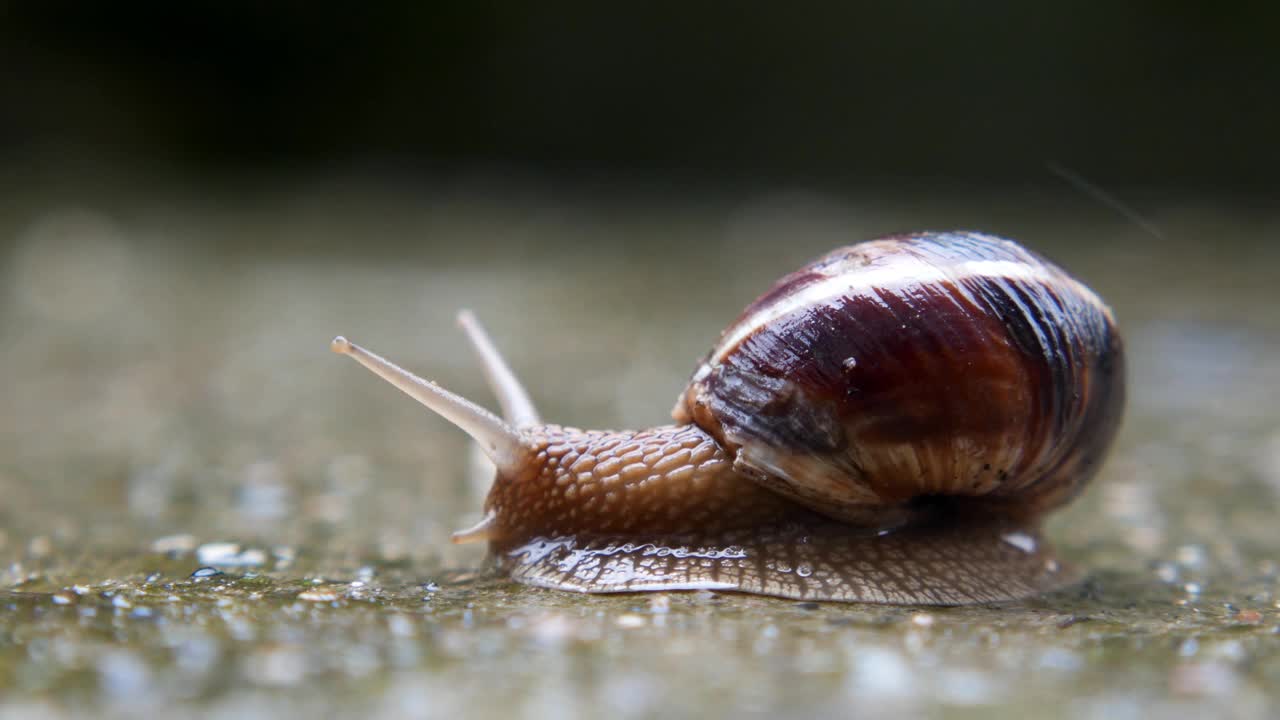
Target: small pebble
{"type": "Point", "coordinates": [206, 572]}
{"type": "Point", "coordinates": [318, 595]}
{"type": "Point", "coordinates": [62, 599]}
{"type": "Point", "coordinates": [1249, 617]}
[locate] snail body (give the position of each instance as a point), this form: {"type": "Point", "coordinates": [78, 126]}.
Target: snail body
{"type": "Point", "coordinates": [890, 423]}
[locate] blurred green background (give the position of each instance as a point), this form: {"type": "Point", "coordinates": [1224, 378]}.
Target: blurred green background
{"type": "Point", "coordinates": [1165, 94]}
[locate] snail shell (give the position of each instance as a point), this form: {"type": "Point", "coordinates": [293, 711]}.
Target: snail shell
{"type": "Point", "coordinates": [949, 365]}
{"type": "Point", "coordinates": [890, 423]}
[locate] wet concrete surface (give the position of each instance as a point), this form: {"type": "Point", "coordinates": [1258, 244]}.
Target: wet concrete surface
{"type": "Point", "coordinates": [171, 405]}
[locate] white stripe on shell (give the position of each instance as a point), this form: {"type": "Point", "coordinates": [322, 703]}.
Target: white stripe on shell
{"type": "Point", "coordinates": [901, 271]}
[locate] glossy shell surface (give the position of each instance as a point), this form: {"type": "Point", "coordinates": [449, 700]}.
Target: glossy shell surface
{"type": "Point", "coordinates": [917, 367]}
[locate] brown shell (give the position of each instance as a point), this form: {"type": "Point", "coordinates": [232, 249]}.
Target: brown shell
{"type": "Point", "coordinates": [908, 372]}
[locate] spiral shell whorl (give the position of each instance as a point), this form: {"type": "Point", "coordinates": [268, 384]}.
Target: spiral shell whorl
{"type": "Point", "coordinates": [925, 365]}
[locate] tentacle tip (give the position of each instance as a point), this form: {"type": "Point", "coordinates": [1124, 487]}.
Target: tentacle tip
{"type": "Point", "coordinates": [465, 537]}
{"type": "Point", "coordinates": [486, 529]}
{"type": "Point", "coordinates": [465, 317]}
{"type": "Point", "coordinates": [340, 345]}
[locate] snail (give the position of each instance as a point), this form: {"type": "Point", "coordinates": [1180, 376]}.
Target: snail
{"type": "Point", "coordinates": [887, 424]}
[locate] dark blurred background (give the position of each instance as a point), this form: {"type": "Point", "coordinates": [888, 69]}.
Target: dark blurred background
{"type": "Point", "coordinates": [1169, 94]}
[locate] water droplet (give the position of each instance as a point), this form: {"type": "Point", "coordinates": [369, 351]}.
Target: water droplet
{"type": "Point", "coordinates": [205, 572]}
{"type": "Point", "coordinates": [1022, 541]}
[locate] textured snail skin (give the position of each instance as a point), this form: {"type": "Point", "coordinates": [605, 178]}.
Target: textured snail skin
{"type": "Point", "coordinates": [888, 424]}
{"type": "Point", "coordinates": [663, 509]}
{"type": "Point", "coordinates": [817, 559]}
{"type": "Point", "coordinates": [663, 481]}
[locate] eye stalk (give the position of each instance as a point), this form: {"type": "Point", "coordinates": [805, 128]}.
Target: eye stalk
{"type": "Point", "coordinates": [517, 408]}
{"type": "Point", "coordinates": [502, 443]}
